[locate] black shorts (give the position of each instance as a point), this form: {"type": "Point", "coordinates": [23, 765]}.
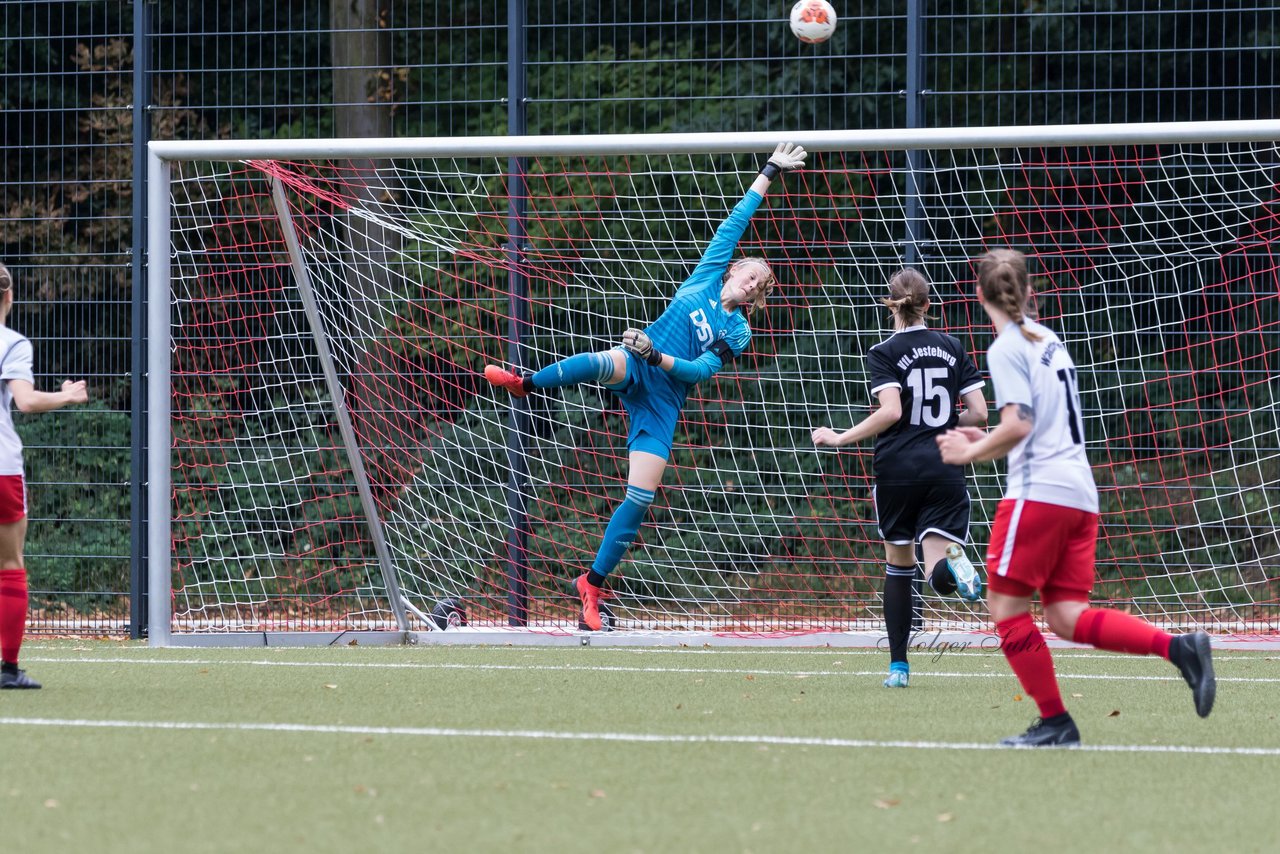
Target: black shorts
{"type": "Point", "coordinates": [906, 512]}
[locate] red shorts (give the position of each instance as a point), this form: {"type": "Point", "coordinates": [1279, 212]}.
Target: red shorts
{"type": "Point", "coordinates": [13, 499]}
{"type": "Point", "coordinates": [1046, 547]}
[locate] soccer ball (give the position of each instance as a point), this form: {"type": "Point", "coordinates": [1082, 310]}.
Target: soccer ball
{"type": "Point", "coordinates": [813, 21]}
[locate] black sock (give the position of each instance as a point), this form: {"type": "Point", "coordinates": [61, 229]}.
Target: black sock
{"type": "Point", "coordinates": [899, 587]}
{"type": "Point", "coordinates": [595, 579]}
{"type": "Point", "coordinates": [942, 579]}
{"type": "Point", "coordinates": [10, 667]}
{"type": "Point", "coordinates": [527, 384]}
{"type": "Point", "coordinates": [917, 607]}
{"type": "Point", "coordinates": [1175, 652]}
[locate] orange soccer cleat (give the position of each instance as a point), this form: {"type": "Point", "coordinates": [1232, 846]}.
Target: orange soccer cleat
{"type": "Point", "coordinates": [590, 596]}
{"type": "Point", "coordinates": [502, 378]}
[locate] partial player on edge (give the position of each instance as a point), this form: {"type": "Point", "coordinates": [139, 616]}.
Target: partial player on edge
{"type": "Point", "coordinates": [17, 385]}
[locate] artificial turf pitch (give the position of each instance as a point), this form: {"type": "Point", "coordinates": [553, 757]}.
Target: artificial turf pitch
{"type": "Point", "coordinates": [557, 749]}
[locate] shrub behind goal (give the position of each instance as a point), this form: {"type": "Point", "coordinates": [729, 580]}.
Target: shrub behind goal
{"type": "Point", "coordinates": [322, 310]}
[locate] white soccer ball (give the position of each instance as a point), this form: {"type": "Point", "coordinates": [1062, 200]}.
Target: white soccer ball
{"type": "Point", "coordinates": [813, 21]}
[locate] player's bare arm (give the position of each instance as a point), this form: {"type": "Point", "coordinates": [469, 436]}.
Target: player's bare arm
{"type": "Point", "coordinates": [975, 409]}
{"type": "Point", "coordinates": [873, 425]}
{"type": "Point", "coordinates": [960, 447]}
{"type": "Point", "coordinates": [27, 399]}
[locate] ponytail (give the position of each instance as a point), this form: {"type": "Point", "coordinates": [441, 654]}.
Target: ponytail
{"type": "Point", "coordinates": [908, 296]}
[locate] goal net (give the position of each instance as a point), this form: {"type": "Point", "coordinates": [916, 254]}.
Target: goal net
{"type": "Point", "coordinates": [322, 314]}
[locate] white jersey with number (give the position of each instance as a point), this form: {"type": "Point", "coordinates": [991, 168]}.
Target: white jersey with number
{"type": "Point", "coordinates": [15, 364]}
{"type": "Point", "coordinates": [1048, 465]}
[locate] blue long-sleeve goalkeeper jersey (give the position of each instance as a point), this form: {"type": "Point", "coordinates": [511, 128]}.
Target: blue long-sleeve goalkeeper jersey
{"type": "Point", "coordinates": [695, 319]}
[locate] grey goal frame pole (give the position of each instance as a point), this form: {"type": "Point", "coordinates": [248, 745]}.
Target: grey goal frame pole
{"type": "Point", "coordinates": [159, 435]}
{"type": "Point", "coordinates": [312, 308]}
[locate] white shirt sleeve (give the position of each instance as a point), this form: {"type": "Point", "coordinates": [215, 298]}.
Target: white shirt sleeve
{"type": "Point", "coordinates": [18, 362]}
{"type": "Point", "coordinates": [1010, 374]}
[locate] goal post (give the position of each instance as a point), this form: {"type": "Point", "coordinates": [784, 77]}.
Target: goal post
{"type": "Point", "coordinates": [326, 461]}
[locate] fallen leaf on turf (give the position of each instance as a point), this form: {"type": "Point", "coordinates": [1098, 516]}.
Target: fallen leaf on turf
{"type": "Point", "coordinates": [51, 804]}
{"type": "Point", "coordinates": [597, 793]}
{"type": "Point", "coordinates": [330, 685]}
{"type": "Point", "coordinates": [1017, 698]}
{"type": "Point", "coordinates": [885, 803]}
{"type": "Point", "coordinates": [946, 816]}
{"type": "Point", "coordinates": [1077, 695]}
{"type": "Point", "coordinates": [750, 678]}
{"type": "Point", "coordinates": [1114, 714]}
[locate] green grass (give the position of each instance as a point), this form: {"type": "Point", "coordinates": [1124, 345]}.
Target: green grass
{"type": "Point", "coordinates": [107, 789]}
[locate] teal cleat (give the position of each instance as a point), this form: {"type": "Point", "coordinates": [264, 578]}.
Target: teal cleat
{"type": "Point", "coordinates": [968, 582]}
{"type": "Point", "coordinates": [899, 675]}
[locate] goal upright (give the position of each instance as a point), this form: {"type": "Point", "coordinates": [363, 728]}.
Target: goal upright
{"type": "Point", "coordinates": [326, 461]}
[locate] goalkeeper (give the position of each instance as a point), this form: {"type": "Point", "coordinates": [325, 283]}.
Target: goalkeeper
{"type": "Point", "coordinates": [705, 326]}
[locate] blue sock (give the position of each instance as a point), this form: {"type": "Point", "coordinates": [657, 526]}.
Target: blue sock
{"type": "Point", "coordinates": [622, 529]}
{"type": "Point", "coordinates": [582, 368]}
{"type": "Point", "coordinates": [899, 667]}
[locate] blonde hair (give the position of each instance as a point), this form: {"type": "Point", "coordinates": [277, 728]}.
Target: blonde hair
{"type": "Point", "coordinates": [766, 284]}
{"type": "Point", "coordinates": [908, 296]}
{"type": "Point", "coordinates": [6, 278]}
{"type": "Point", "coordinates": [1002, 275]}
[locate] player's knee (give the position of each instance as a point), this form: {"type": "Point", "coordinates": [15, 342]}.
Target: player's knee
{"type": "Point", "coordinates": [1059, 625]}
{"type": "Point", "coordinates": [942, 579]}
{"type": "Point", "coordinates": [1061, 617]}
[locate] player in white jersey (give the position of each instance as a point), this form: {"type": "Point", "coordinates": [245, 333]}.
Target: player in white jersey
{"type": "Point", "coordinates": [17, 386]}
{"type": "Point", "coordinates": [1045, 533]}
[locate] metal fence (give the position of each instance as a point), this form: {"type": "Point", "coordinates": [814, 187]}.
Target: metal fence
{"type": "Point", "coordinates": [85, 84]}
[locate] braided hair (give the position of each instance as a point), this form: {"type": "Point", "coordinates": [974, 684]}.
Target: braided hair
{"type": "Point", "coordinates": [1002, 275]}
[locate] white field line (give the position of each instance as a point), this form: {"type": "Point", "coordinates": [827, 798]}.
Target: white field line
{"type": "Point", "coordinates": [923, 649]}
{"type": "Point", "coordinates": [631, 737]}
{"type": "Point", "coordinates": [596, 668]}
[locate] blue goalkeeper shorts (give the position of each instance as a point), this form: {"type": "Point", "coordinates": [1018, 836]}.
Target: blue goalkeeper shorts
{"type": "Point", "coordinates": [653, 403]}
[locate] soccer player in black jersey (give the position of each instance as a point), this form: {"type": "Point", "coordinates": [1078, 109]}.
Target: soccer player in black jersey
{"type": "Point", "coordinates": [918, 375]}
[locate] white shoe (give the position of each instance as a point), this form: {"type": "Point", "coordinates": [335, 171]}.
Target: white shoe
{"type": "Point", "coordinates": [968, 582]}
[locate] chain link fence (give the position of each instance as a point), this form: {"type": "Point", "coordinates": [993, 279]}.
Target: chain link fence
{"type": "Point", "coordinates": [85, 84]}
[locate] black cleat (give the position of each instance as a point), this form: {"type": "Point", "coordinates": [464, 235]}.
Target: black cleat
{"type": "Point", "coordinates": [1059, 731]}
{"type": "Point", "coordinates": [1193, 655]}
{"type": "Point", "coordinates": [449, 614]}
{"type": "Point", "coordinates": [17, 679]}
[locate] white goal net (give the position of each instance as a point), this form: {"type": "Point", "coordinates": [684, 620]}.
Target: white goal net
{"type": "Point", "coordinates": [321, 316]}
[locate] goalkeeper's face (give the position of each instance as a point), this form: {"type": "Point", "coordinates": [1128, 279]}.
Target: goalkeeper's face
{"type": "Point", "coordinates": [747, 283]}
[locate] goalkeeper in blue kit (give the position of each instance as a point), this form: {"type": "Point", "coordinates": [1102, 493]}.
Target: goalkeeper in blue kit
{"type": "Point", "coordinates": [705, 326]}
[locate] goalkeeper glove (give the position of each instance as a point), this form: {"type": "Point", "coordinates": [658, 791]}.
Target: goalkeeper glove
{"type": "Point", "coordinates": [636, 342]}
{"type": "Point", "coordinates": [785, 157]}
